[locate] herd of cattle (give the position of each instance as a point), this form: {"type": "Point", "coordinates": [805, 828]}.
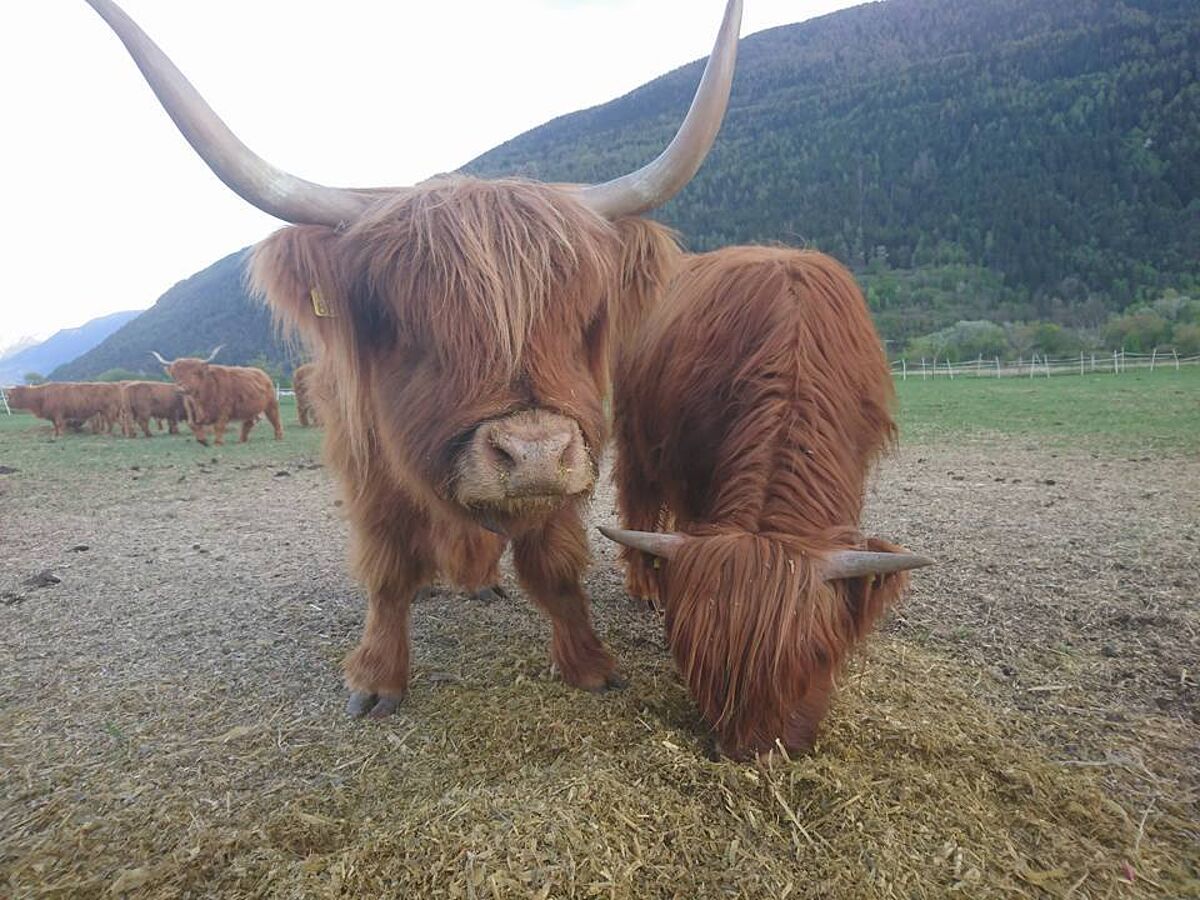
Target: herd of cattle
{"type": "Point", "coordinates": [467, 334]}
{"type": "Point", "coordinates": [202, 394]}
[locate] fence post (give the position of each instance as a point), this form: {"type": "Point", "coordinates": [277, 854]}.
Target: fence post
{"type": "Point", "coordinates": [949, 371]}
{"type": "Point", "coordinates": [922, 368]}
{"type": "Point", "coordinates": [4, 396]}
{"type": "Point", "coordinates": [1115, 369]}
{"type": "Point", "coordinates": [904, 368]}
{"type": "Point", "coordinates": [1080, 362]}
{"type": "Point", "coordinates": [1046, 360]}
{"type": "Point", "coordinates": [997, 367]}
{"type": "Point", "coordinates": [1153, 358]}
{"type": "Point", "coordinates": [1093, 362]}
{"type": "Point", "coordinates": [1032, 363]}
{"type": "Point", "coordinates": [1175, 353]}
{"type": "Point", "coordinates": [1124, 362]}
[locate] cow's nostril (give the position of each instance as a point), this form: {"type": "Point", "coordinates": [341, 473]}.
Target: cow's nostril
{"type": "Point", "coordinates": [504, 459]}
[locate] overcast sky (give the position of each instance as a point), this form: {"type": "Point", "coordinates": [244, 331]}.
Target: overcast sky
{"type": "Point", "coordinates": [106, 206]}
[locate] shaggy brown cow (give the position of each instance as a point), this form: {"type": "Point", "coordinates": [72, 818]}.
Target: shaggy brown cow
{"type": "Point", "coordinates": [304, 388]}
{"type": "Point", "coordinates": [465, 328]}
{"type": "Point", "coordinates": [71, 404]}
{"type": "Point", "coordinates": [749, 413]}
{"type": "Point", "coordinates": [217, 395]}
{"type": "Point", "coordinates": [146, 400]}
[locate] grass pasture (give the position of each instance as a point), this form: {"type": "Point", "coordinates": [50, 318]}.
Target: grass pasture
{"type": "Point", "coordinates": [1026, 724]}
{"type": "Point", "coordinates": [1102, 412]}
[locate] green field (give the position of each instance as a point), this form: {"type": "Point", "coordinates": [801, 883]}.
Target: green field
{"type": "Point", "coordinates": [1157, 411]}
{"type": "Point", "coordinates": [1106, 413]}
{"type": "Point", "coordinates": [26, 442]}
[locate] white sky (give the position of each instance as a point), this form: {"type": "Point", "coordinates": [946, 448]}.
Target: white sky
{"type": "Point", "coordinates": [106, 206]}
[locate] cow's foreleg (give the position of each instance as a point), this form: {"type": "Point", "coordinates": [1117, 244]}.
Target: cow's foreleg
{"type": "Point", "coordinates": [550, 563]}
{"type": "Point", "coordinates": [392, 564]}
{"type": "Point", "coordinates": [219, 430]}
{"type": "Point", "coordinates": [377, 669]}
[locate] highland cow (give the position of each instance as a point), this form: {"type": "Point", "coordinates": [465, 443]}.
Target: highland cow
{"type": "Point", "coordinates": [217, 395]}
{"type": "Point", "coordinates": [146, 400]}
{"type": "Point", "coordinates": [71, 404]}
{"type": "Point", "coordinates": [749, 412]}
{"type": "Point", "coordinates": [304, 387]}
{"type": "Point", "coordinates": [464, 330]}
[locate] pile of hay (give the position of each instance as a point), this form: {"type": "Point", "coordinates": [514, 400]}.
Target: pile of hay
{"type": "Point", "coordinates": [496, 782]}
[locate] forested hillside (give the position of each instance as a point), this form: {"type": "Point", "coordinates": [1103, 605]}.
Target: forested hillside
{"type": "Point", "coordinates": [195, 315]}
{"type": "Point", "coordinates": [1054, 143]}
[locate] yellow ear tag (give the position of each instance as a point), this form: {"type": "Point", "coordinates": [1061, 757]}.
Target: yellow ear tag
{"type": "Point", "coordinates": [320, 307]}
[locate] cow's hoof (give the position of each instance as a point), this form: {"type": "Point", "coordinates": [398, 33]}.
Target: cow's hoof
{"type": "Point", "coordinates": [616, 682]}
{"type": "Point", "coordinates": [493, 594]}
{"type": "Point", "coordinates": [613, 681]}
{"type": "Point", "coordinates": [372, 706]}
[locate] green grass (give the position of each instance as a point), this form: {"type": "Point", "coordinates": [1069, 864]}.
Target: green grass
{"type": "Point", "coordinates": [1108, 413]}
{"type": "Point", "coordinates": [1138, 411]}
{"type": "Point", "coordinates": [27, 444]}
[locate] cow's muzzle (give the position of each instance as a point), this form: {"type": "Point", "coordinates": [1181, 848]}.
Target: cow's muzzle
{"type": "Point", "coordinates": [523, 462]}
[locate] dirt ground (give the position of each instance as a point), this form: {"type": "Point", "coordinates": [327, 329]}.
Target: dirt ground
{"type": "Point", "coordinates": [171, 708]}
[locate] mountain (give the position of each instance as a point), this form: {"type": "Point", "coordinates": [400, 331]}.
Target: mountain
{"type": "Point", "coordinates": [60, 347]}
{"type": "Point", "coordinates": [17, 346]}
{"type": "Point", "coordinates": [1053, 142]}
{"type": "Point", "coordinates": [190, 319]}
{"type": "Point", "coordinates": [1007, 160]}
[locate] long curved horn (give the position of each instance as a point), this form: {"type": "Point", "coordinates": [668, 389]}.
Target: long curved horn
{"type": "Point", "coordinates": [858, 563]}
{"type": "Point", "coordinates": [658, 181]}
{"type": "Point", "coordinates": [254, 179]}
{"type": "Point", "coordinates": [213, 355]}
{"type": "Point", "coordinates": [165, 362]}
{"type": "Point", "coordinates": [655, 542]}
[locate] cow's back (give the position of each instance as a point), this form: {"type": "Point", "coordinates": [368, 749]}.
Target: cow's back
{"type": "Point", "coordinates": [760, 365]}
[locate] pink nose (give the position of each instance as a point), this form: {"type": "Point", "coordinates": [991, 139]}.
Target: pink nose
{"type": "Point", "coordinates": [534, 456]}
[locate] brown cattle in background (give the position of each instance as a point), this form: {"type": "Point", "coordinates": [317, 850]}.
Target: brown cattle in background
{"type": "Point", "coordinates": [303, 387]}
{"type": "Point", "coordinates": [465, 330]}
{"type": "Point", "coordinates": [146, 400]}
{"type": "Point", "coordinates": [749, 413]}
{"type": "Point", "coordinates": [71, 404]}
{"type": "Point", "coordinates": [217, 395]}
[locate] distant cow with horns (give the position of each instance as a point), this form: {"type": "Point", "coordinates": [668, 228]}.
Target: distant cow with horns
{"type": "Point", "coordinates": [465, 330]}
{"type": "Point", "coordinates": [750, 410]}
{"type": "Point", "coordinates": [217, 395]}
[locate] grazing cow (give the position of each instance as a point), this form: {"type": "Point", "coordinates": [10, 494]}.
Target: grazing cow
{"type": "Point", "coordinates": [304, 388]}
{"type": "Point", "coordinates": [71, 404]}
{"type": "Point", "coordinates": [464, 330]}
{"type": "Point", "coordinates": [749, 412]}
{"type": "Point", "coordinates": [217, 395]}
{"type": "Point", "coordinates": [146, 400]}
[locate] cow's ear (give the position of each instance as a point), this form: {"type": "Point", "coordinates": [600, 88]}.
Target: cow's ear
{"type": "Point", "coordinates": [296, 271]}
